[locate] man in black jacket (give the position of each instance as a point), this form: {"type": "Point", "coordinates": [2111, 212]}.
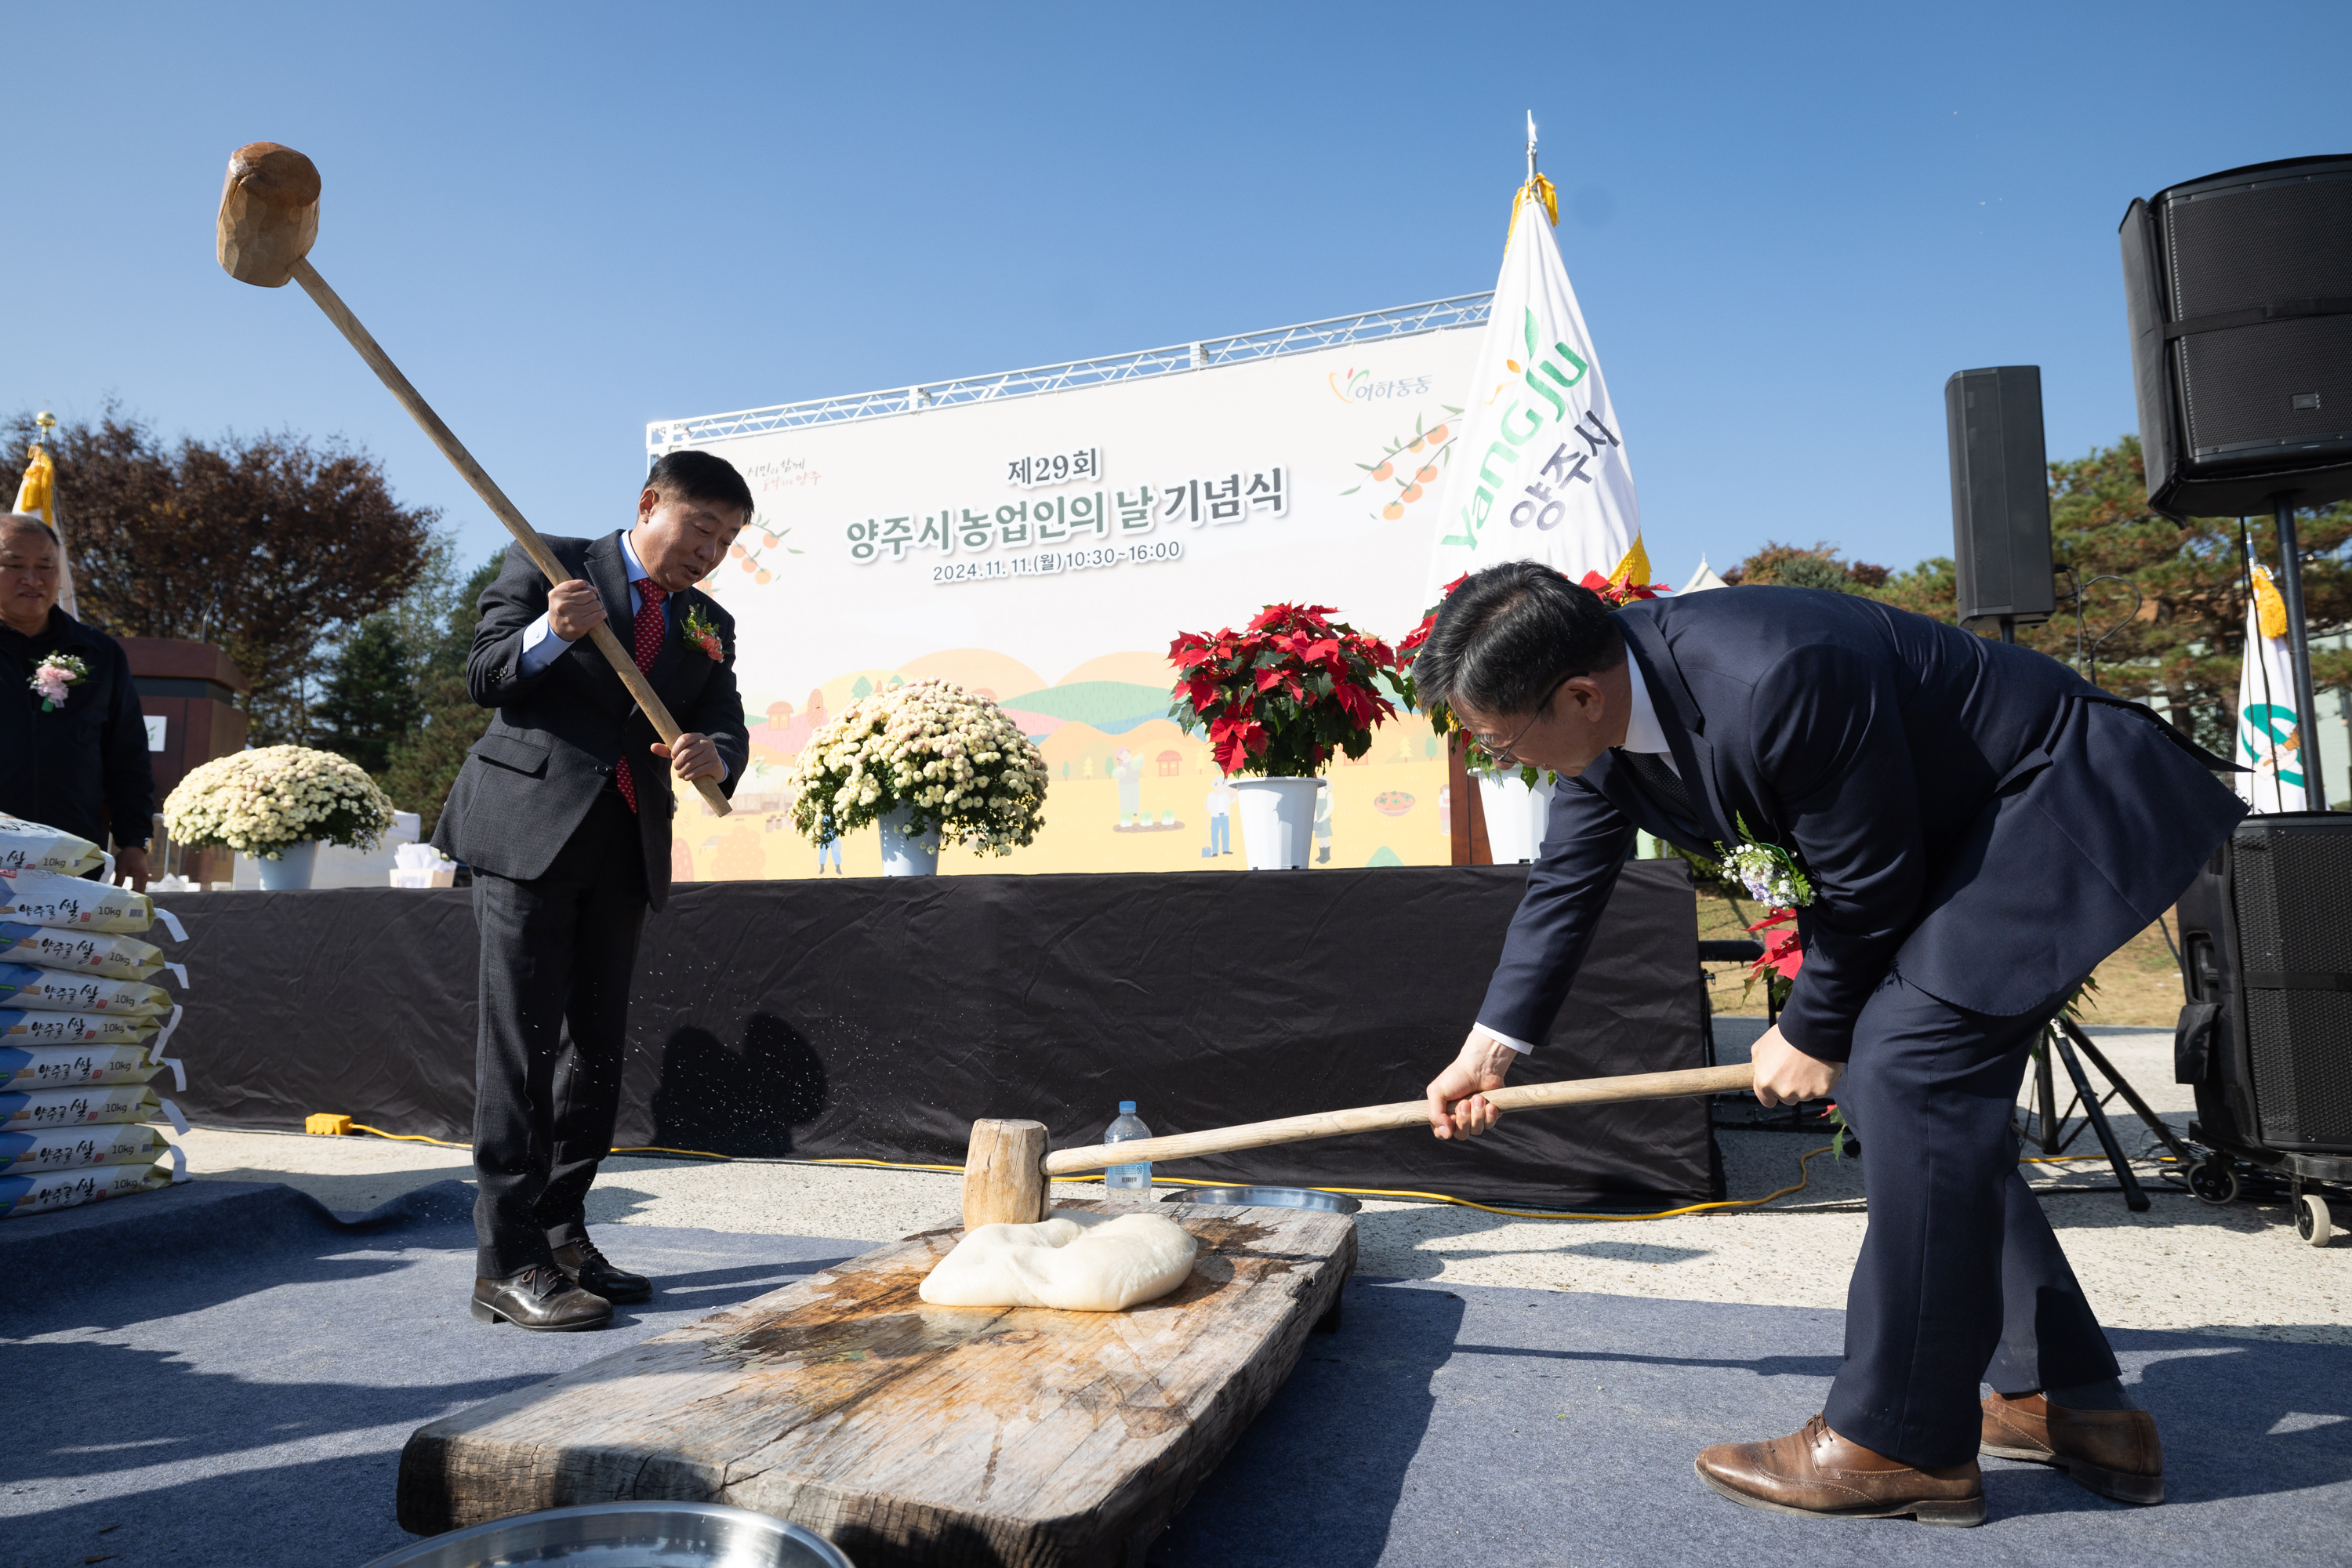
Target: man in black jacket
{"type": "Point", "coordinates": [562, 810]}
{"type": "Point", "coordinates": [77, 762]}
{"type": "Point", "coordinates": [1967, 829]}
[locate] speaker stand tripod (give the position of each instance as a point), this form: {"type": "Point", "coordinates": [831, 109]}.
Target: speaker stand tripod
{"type": "Point", "coordinates": [2063, 1041]}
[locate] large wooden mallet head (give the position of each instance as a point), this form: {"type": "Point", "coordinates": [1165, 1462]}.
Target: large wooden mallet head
{"type": "Point", "coordinates": [1004, 1174]}
{"type": "Point", "coordinates": [269, 213]}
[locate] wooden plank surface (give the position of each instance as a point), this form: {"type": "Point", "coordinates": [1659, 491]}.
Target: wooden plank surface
{"type": "Point", "coordinates": [909, 1433]}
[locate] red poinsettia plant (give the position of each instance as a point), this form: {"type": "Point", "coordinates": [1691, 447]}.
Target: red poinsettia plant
{"type": "Point", "coordinates": [1441, 718]}
{"type": "Point", "coordinates": [1279, 699]}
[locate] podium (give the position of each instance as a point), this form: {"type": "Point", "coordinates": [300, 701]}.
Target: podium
{"type": "Point", "coordinates": [188, 691]}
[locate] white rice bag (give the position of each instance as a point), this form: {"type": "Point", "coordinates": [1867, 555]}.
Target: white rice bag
{"type": "Point", "coordinates": [26, 1027]}
{"type": "Point", "coordinates": [44, 898]}
{"type": "Point", "coordinates": [73, 1067]}
{"type": "Point", "coordinates": [43, 1110]}
{"type": "Point", "coordinates": [31, 986]}
{"type": "Point", "coordinates": [33, 846]}
{"type": "Point", "coordinates": [66, 1189]}
{"type": "Point", "coordinates": [92, 952]}
{"type": "Point", "coordinates": [70, 1148]}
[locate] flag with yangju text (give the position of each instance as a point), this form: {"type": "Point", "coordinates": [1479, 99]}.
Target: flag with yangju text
{"type": "Point", "coordinates": [2270, 733]}
{"type": "Point", "coordinates": [1540, 471]}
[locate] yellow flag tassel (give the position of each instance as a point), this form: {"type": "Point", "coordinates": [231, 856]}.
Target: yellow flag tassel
{"type": "Point", "coordinates": [1545, 192]}
{"type": "Point", "coordinates": [2271, 608]}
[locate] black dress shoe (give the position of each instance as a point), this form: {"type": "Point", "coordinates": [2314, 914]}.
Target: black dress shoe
{"type": "Point", "coordinates": [539, 1297]}
{"type": "Point", "coordinates": [591, 1270]}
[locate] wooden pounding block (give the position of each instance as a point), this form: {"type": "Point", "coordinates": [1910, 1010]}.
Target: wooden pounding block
{"type": "Point", "coordinates": [1004, 1174]}
{"type": "Point", "coordinates": [912, 1434]}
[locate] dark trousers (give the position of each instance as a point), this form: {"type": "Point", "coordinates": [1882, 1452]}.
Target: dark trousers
{"type": "Point", "coordinates": [557, 949]}
{"type": "Point", "coordinates": [1961, 1280]}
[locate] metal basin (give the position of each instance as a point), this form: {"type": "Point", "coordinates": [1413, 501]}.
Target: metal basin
{"type": "Point", "coordinates": [628, 1535]}
{"type": "Point", "coordinates": [1266, 1197]}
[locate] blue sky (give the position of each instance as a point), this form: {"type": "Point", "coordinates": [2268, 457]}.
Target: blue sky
{"type": "Point", "coordinates": [1788, 225]}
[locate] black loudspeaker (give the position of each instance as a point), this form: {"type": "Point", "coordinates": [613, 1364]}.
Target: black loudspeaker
{"type": "Point", "coordinates": [2239, 289]}
{"type": "Point", "coordinates": [2266, 960]}
{"type": "Point", "coordinates": [2001, 495]}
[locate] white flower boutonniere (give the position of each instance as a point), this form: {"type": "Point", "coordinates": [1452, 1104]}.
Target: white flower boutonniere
{"type": "Point", "coordinates": [53, 676]}
{"type": "Point", "coordinates": [1769, 873]}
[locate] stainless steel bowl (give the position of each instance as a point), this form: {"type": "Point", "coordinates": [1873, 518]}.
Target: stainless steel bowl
{"type": "Point", "coordinates": [1266, 1197]}
{"type": "Point", "coordinates": [628, 1535]}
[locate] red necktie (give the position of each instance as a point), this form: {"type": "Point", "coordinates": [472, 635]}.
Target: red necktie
{"type": "Point", "coordinates": [645, 642]}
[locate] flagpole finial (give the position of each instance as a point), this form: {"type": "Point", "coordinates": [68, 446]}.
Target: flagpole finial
{"type": "Point", "coordinates": [1532, 146]}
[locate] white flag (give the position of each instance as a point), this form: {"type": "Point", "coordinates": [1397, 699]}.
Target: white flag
{"type": "Point", "coordinates": [2270, 733]}
{"type": "Point", "coordinates": [1541, 472]}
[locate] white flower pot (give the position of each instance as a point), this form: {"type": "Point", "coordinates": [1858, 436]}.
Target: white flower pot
{"type": "Point", "coordinates": [1515, 817]}
{"type": "Point", "coordinates": [1277, 820]}
{"type": "Point", "coordinates": [291, 870]}
{"type": "Point", "coordinates": [904, 855]}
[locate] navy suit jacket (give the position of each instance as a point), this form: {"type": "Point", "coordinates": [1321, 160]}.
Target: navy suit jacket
{"type": "Point", "coordinates": [531, 778]}
{"type": "Point", "coordinates": [1970, 813]}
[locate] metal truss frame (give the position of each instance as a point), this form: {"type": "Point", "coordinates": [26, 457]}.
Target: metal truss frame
{"type": "Point", "coordinates": [1371, 326]}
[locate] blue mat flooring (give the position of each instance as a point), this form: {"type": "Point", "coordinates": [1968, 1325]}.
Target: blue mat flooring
{"type": "Point", "coordinates": [222, 1376]}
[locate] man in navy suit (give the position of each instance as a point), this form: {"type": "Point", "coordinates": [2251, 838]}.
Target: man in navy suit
{"type": "Point", "coordinates": [564, 811]}
{"type": "Point", "coordinates": [1980, 827]}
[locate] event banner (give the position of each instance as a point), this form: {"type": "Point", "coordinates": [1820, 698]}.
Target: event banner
{"type": "Point", "coordinates": [1043, 551]}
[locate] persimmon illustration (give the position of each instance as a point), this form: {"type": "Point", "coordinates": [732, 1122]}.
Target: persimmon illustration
{"type": "Point", "coordinates": [1413, 444]}
{"type": "Point", "coordinates": [1437, 438]}
{"type": "Point", "coordinates": [1385, 471]}
{"type": "Point", "coordinates": [1411, 493]}
{"type": "Point", "coordinates": [1394, 510]}
{"type": "Point", "coordinates": [1428, 473]}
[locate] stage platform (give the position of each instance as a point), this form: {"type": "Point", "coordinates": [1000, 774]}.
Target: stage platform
{"type": "Point", "coordinates": [222, 1376]}
{"type": "Point", "coordinates": [877, 1018]}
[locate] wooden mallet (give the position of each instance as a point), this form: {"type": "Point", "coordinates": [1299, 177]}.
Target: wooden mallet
{"type": "Point", "coordinates": [268, 220]}
{"type": "Point", "coordinates": [1006, 1171]}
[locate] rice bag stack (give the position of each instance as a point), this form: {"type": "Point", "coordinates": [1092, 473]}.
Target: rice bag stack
{"type": "Point", "coordinates": [84, 1025]}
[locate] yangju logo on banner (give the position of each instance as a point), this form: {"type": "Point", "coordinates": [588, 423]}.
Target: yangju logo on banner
{"type": "Point", "coordinates": [1538, 502]}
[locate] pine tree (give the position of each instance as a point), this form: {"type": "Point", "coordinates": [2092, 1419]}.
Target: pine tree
{"type": "Point", "coordinates": [422, 766]}
{"type": "Point", "coordinates": [370, 703]}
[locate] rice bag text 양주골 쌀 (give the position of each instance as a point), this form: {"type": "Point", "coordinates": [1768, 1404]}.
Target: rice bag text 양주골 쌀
{"type": "Point", "coordinates": [66, 1189]}
{"type": "Point", "coordinates": [23, 1026]}
{"type": "Point", "coordinates": [37, 846]}
{"type": "Point", "coordinates": [86, 952]}
{"type": "Point", "coordinates": [43, 898]}
{"type": "Point", "coordinates": [74, 1066]}
{"type": "Point", "coordinates": [39, 989]}
{"type": "Point", "coordinates": [42, 1109]}
{"type": "Point", "coordinates": [72, 1148]}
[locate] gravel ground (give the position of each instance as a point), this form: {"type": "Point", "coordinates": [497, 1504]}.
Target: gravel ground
{"type": "Point", "coordinates": [2238, 1271]}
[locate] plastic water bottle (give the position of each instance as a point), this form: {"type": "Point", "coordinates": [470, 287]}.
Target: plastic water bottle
{"type": "Point", "coordinates": [1128, 1179]}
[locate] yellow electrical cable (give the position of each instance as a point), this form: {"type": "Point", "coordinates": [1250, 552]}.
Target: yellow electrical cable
{"type": "Point", "coordinates": [408, 1137]}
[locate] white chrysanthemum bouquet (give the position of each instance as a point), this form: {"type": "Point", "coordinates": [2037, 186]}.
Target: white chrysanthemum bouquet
{"type": "Point", "coordinates": [263, 802]}
{"type": "Point", "coordinates": [954, 757]}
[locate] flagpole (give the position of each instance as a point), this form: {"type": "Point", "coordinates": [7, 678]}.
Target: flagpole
{"type": "Point", "coordinates": [1532, 146]}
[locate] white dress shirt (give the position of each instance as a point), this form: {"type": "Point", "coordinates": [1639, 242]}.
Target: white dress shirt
{"type": "Point", "coordinates": [1643, 734]}
{"type": "Point", "coordinates": [541, 645]}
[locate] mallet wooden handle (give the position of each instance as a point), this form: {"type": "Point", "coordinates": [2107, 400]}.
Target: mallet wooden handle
{"type": "Point", "coordinates": [640, 689]}
{"type": "Point", "coordinates": [1403, 1113]}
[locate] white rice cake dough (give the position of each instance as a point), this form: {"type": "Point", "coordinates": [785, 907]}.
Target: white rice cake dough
{"type": "Point", "coordinates": [1074, 1262]}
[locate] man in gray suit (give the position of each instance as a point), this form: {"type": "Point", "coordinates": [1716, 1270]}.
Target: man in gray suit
{"type": "Point", "coordinates": [563, 812]}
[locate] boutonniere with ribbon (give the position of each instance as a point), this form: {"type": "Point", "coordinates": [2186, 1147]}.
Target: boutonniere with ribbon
{"type": "Point", "coordinates": [53, 676]}
{"type": "Point", "coordinates": [699, 630]}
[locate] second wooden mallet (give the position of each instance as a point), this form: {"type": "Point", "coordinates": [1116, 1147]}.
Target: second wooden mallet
{"type": "Point", "coordinates": [268, 221]}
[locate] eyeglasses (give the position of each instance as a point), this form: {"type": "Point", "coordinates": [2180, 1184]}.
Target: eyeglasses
{"type": "Point", "coordinates": [1502, 753]}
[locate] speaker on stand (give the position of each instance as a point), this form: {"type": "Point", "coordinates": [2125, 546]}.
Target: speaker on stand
{"type": "Point", "coordinates": [2000, 498]}
{"type": "Point", "coordinates": [2239, 291]}
{"type": "Point", "coordinates": [2266, 1034]}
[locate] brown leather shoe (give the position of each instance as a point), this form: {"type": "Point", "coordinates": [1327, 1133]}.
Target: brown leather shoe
{"type": "Point", "coordinates": [1819, 1475]}
{"type": "Point", "coordinates": [2114, 1453]}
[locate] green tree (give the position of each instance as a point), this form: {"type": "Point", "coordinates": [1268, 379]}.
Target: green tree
{"type": "Point", "coordinates": [2182, 647]}
{"type": "Point", "coordinates": [1779, 565]}
{"type": "Point", "coordinates": [370, 702]}
{"type": "Point", "coordinates": [421, 768]}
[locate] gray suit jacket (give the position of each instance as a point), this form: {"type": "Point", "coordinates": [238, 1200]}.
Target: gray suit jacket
{"type": "Point", "coordinates": [530, 778]}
